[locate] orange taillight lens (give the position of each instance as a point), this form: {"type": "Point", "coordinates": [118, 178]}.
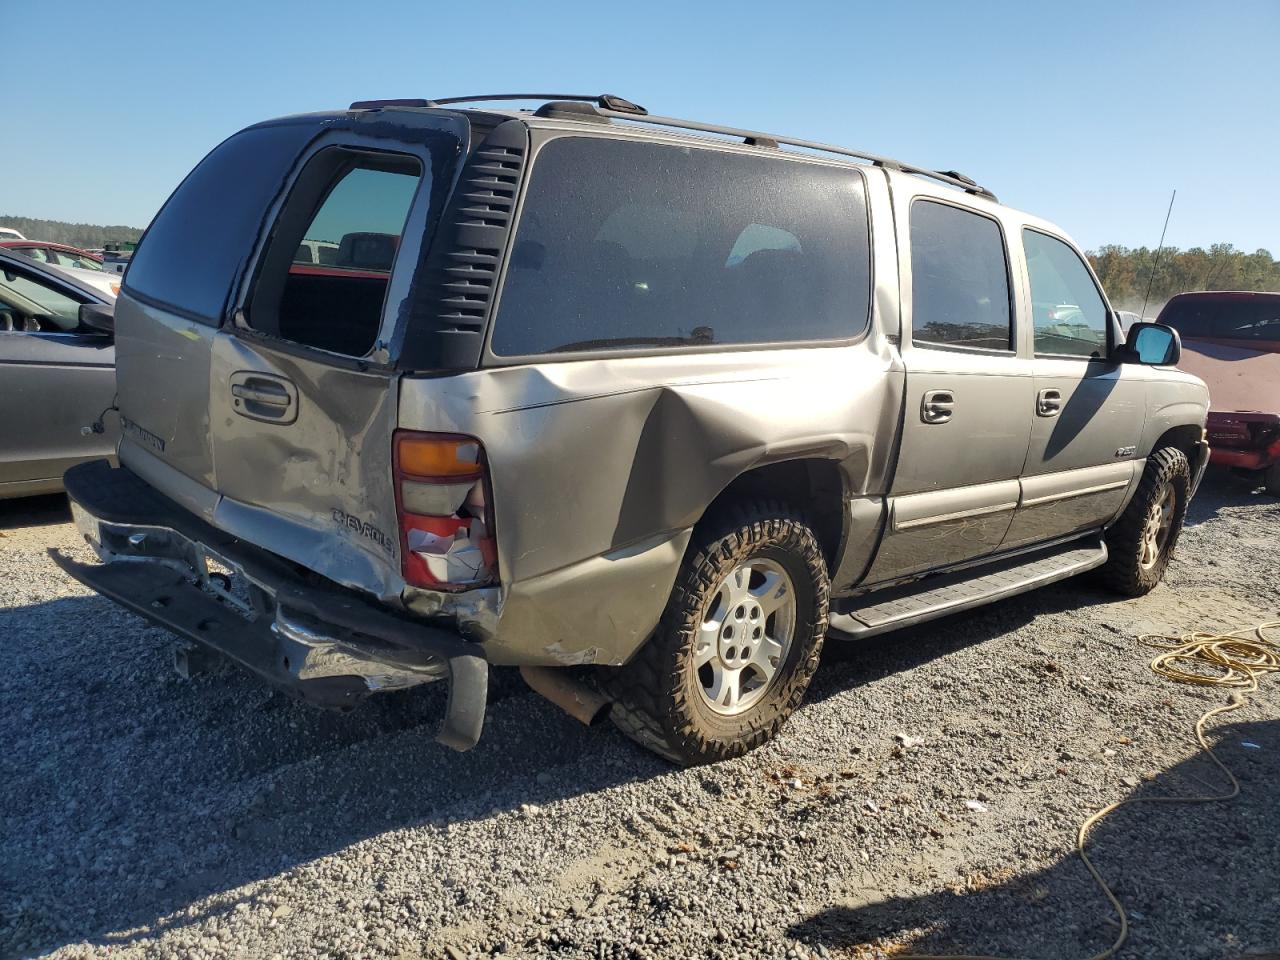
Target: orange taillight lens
{"type": "Point", "coordinates": [437, 457]}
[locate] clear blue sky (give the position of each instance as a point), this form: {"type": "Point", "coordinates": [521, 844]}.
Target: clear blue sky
{"type": "Point", "coordinates": [1087, 113]}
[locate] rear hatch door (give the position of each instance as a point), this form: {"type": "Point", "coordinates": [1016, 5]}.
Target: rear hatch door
{"type": "Point", "coordinates": [256, 329]}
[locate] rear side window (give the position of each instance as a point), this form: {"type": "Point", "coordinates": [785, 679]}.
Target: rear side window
{"type": "Point", "coordinates": [323, 280]}
{"type": "Point", "coordinates": [625, 245]}
{"type": "Point", "coordinates": [959, 279]}
{"type": "Point", "coordinates": [1069, 314]}
{"type": "Point", "coordinates": [194, 248]}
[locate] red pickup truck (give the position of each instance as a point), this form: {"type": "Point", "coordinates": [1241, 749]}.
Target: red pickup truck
{"type": "Point", "coordinates": [1231, 341]}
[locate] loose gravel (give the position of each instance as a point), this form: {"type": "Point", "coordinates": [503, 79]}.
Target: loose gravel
{"type": "Point", "coordinates": [925, 798]}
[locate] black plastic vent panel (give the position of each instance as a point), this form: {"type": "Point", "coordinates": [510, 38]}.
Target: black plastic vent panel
{"type": "Point", "coordinates": [448, 322]}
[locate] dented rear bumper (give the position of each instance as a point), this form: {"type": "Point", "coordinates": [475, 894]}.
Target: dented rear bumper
{"type": "Point", "coordinates": [321, 643]}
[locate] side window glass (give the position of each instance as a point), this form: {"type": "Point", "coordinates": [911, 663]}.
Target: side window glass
{"type": "Point", "coordinates": [324, 279]}
{"type": "Point", "coordinates": [627, 245]}
{"type": "Point", "coordinates": [1068, 313]}
{"type": "Point", "coordinates": [35, 253]}
{"type": "Point", "coordinates": [959, 279]}
{"type": "Point", "coordinates": [32, 305]}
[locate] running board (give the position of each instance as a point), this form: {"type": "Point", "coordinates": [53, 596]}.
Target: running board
{"type": "Point", "coordinates": [944, 594]}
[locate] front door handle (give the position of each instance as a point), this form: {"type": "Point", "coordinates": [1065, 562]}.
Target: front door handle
{"type": "Point", "coordinates": [264, 396]}
{"type": "Point", "coordinates": [937, 406]}
{"type": "Point", "coordinates": [1048, 403]}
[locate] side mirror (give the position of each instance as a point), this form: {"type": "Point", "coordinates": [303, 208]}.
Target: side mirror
{"type": "Point", "coordinates": [99, 317]}
{"type": "Point", "coordinates": [1154, 344]}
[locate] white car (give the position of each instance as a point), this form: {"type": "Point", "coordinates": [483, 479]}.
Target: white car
{"type": "Point", "coordinates": [8, 233]}
{"type": "Point", "coordinates": [69, 260]}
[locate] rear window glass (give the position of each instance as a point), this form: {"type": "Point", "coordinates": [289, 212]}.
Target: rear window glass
{"type": "Point", "coordinates": [625, 245]}
{"type": "Point", "coordinates": [192, 251]}
{"type": "Point", "coordinates": [326, 288]}
{"type": "Point", "coordinates": [959, 279]}
{"type": "Point", "coordinates": [1253, 318]}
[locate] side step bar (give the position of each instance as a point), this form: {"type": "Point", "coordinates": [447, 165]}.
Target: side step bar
{"type": "Point", "coordinates": [944, 594]}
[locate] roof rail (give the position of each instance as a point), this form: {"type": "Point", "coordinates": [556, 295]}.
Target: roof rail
{"type": "Point", "coordinates": [605, 101]}
{"type": "Point", "coordinates": [949, 177]}
{"type": "Point", "coordinates": [609, 105]}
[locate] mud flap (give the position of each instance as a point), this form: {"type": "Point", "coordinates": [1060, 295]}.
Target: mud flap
{"type": "Point", "coordinates": [468, 692]}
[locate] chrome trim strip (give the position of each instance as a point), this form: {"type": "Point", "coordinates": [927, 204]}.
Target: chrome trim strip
{"type": "Point", "coordinates": [958, 515]}
{"type": "Point", "coordinates": [1068, 494]}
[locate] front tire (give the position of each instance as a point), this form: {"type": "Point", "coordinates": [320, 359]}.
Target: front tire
{"type": "Point", "coordinates": [1142, 540]}
{"type": "Point", "coordinates": [738, 643]}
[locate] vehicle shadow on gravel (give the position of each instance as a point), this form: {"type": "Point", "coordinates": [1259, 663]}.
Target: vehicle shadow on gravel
{"type": "Point", "coordinates": [848, 664]}
{"type": "Point", "coordinates": [130, 794]}
{"type": "Point", "coordinates": [1189, 875]}
{"type": "Point", "coordinates": [34, 511]}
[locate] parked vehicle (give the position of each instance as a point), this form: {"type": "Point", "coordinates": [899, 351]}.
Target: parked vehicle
{"type": "Point", "coordinates": [81, 264]}
{"type": "Point", "coordinates": [1127, 319]}
{"type": "Point", "coordinates": [8, 233]}
{"type": "Point", "coordinates": [56, 376]}
{"type": "Point", "coordinates": [629, 401]}
{"type": "Point", "coordinates": [1233, 344]}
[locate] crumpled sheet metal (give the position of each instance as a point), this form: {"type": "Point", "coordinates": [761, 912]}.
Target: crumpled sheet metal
{"type": "Point", "coordinates": [601, 468]}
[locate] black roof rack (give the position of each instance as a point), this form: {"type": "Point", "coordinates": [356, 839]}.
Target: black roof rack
{"type": "Point", "coordinates": [754, 137]}
{"type": "Point", "coordinates": [609, 105]}
{"type": "Point", "coordinates": [605, 101]}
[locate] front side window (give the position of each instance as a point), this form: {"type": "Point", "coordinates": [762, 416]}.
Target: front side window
{"type": "Point", "coordinates": [959, 279]}
{"type": "Point", "coordinates": [1068, 313]}
{"type": "Point", "coordinates": [324, 276]}
{"type": "Point", "coordinates": [30, 304]}
{"type": "Point", "coordinates": [627, 245]}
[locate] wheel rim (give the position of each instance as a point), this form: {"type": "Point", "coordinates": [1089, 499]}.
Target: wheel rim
{"type": "Point", "coordinates": [745, 636]}
{"type": "Point", "coordinates": [1156, 529]}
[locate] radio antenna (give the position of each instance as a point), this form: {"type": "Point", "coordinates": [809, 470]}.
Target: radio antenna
{"type": "Point", "coordinates": [1155, 263]}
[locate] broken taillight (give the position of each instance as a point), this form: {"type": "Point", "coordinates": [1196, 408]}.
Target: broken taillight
{"type": "Point", "coordinates": [442, 500]}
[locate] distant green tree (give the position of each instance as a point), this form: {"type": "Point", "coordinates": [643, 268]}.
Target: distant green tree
{"type": "Point", "coordinates": [1126, 274]}
{"type": "Point", "coordinates": [76, 234]}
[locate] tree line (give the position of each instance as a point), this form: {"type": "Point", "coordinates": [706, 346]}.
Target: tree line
{"type": "Point", "coordinates": [84, 235]}
{"type": "Point", "coordinates": [1126, 273]}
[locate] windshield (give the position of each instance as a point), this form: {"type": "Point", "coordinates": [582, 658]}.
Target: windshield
{"type": "Point", "coordinates": [1255, 318]}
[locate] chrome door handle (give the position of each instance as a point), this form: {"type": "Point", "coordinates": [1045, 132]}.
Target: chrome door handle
{"type": "Point", "coordinates": [272, 396]}
{"type": "Point", "coordinates": [264, 396]}
{"type": "Point", "coordinates": [937, 406]}
{"type": "Point", "coordinates": [1048, 403]}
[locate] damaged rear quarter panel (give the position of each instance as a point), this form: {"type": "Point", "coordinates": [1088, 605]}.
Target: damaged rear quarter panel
{"type": "Point", "coordinates": [600, 469]}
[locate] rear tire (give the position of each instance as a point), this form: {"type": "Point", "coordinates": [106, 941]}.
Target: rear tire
{"type": "Point", "coordinates": [1142, 540]}
{"type": "Point", "coordinates": [1271, 478]}
{"type": "Point", "coordinates": [738, 643]}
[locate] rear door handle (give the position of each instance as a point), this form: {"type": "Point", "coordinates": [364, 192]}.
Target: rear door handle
{"type": "Point", "coordinates": [937, 406]}
{"type": "Point", "coordinates": [271, 396]}
{"type": "Point", "coordinates": [1048, 403]}
{"type": "Point", "coordinates": [264, 396]}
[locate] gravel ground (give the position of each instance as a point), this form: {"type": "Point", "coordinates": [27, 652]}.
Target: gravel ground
{"type": "Point", "coordinates": [927, 794]}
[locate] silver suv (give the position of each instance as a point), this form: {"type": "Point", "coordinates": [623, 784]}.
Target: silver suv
{"type": "Point", "coordinates": [644, 406]}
